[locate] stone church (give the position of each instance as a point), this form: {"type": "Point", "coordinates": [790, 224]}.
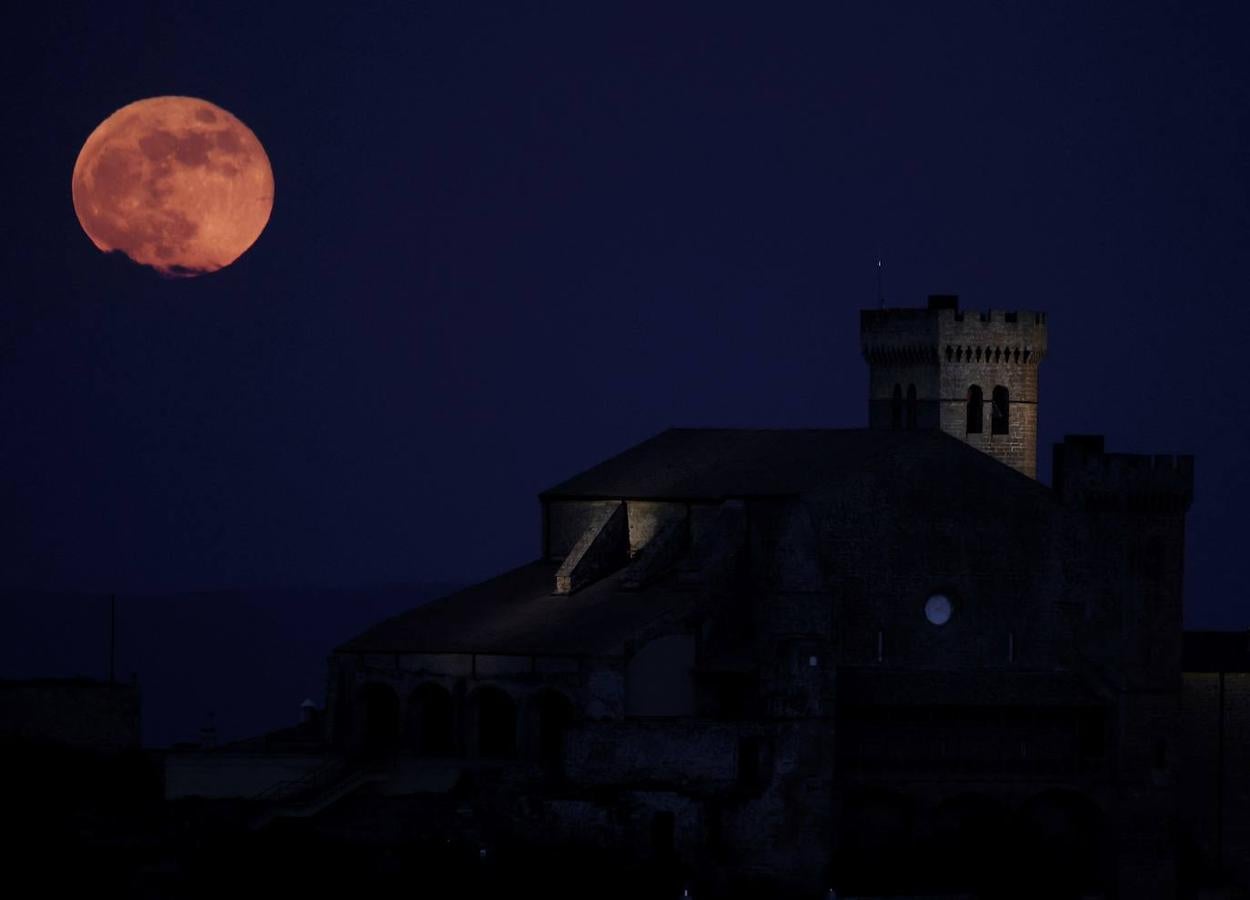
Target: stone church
{"type": "Point", "coordinates": [878, 661]}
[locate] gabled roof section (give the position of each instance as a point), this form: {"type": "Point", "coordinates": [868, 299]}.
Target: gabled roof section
{"type": "Point", "coordinates": [715, 463]}
{"type": "Point", "coordinates": [518, 613]}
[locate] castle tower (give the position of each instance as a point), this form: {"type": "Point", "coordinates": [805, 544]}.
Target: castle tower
{"type": "Point", "coordinates": [971, 374]}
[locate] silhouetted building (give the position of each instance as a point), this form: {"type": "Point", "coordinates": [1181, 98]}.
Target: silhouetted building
{"type": "Point", "coordinates": [78, 713]}
{"type": "Point", "coordinates": [885, 660]}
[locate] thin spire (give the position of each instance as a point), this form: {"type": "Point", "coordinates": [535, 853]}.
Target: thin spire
{"type": "Point", "coordinates": [880, 286]}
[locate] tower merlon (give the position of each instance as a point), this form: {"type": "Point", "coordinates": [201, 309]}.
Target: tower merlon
{"type": "Point", "coordinates": [1005, 335]}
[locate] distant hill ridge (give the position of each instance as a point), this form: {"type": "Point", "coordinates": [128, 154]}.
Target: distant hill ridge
{"type": "Point", "coordinates": [250, 656]}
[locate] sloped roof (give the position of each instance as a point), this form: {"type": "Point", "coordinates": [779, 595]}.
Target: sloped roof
{"type": "Point", "coordinates": [517, 613]}
{"type": "Point", "coordinates": [709, 463]}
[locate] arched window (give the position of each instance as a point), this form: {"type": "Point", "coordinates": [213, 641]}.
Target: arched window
{"type": "Point", "coordinates": [896, 408]}
{"type": "Point", "coordinates": [1000, 422]}
{"type": "Point", "coordinates": [976, 409]}
{"type": "Point", "coordinates": [911, 407]}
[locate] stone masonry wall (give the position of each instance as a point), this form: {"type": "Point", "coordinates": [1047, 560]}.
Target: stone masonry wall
{"type": "Point", "coordinates": [943, 352]}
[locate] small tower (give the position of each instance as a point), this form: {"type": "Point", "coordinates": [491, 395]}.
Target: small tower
{"type": "Point", "coordinates": [971, 374]}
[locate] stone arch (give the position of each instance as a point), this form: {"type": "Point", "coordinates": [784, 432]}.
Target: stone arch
{"type": "Point", "coordinates": [430, 719]}
{"type": "Point", "coordinates": [1060, 846]}
{"type": "Point", "coordinates": [551, 714]}
{"type": "Point", "coordinates": [492, 720]}
{"type": "Point", "coordinates": [378, 706]}
{"type": "Point", "coordinates": [969, 843]}
{"type": "Point", "coordinates": [875, 841]}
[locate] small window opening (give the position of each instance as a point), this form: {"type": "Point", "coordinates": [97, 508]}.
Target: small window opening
{"type": "Point", "coordinates": [976, 409]}
{"type": "Point", "coordinates": [1001, 421]}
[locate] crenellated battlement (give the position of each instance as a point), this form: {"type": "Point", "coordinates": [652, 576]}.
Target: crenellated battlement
{"type": "Point", "coordinates": [901, 353]}
{"type": "Point", "coordinates": [1014, 318]}
{"type": "Point", "coordinates": [1084, 474]}
{"type": "Point", "coordinates": [944, 333]}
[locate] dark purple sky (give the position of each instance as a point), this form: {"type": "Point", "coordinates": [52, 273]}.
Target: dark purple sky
{"type": "Point", "coordinates": [510, 241]}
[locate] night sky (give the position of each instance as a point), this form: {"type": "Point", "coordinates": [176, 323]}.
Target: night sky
{"type": "Point", "coordinates": [510, 240]}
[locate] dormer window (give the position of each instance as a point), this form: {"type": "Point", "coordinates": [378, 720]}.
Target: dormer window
{"type": "Point", "coordinates": [1000, 421]}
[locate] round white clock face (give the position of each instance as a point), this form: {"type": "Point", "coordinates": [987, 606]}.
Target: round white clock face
{"type": "Point", "coordinates": [937, 609]}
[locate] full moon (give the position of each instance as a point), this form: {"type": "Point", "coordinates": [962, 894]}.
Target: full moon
{"type": "Point", "coordinates": [175, 183]}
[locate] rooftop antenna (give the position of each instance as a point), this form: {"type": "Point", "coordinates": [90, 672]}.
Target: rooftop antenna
{"type": "Point", "coordinates": [112, 638]}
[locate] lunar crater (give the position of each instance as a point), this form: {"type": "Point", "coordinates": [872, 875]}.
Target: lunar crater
{"type": "Point", "coordinates": [174, 183]}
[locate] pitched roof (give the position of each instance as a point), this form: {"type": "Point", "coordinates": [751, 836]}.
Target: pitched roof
{"type": "Point", "coordinates": [517, 613]}
{"type": "Point", "coordinates": [708, 463]}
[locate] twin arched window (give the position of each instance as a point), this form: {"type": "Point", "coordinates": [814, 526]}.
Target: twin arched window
{"type": "Point", "coordinates": [897, 409]}
{"type": "Point", "coordinates": [1000, 412]}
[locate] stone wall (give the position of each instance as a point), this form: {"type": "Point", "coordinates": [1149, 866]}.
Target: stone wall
{"type": "Point", "coordinates": [221, 774]}
{"type": "Point", "coordinates": [1213, 770]}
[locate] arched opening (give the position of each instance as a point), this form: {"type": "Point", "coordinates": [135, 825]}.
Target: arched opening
{"type": "Point", "coordinates": [553, 714]}
{"type": "Point", "coordinates": [875, 843]}
{"type": "Point", "coordinates": [430, 720]}
{"type": "Point", "coordinates": [896, 408]}
{"type": "Point", "coordinates": [912, 412]}
{"type": "Point", "coordinates": [379, 711]}
{"type": "Point", "coordinates": [1060, 844]}
{"type": "Point", "coordinates": [976, 409]}
{"type": "Point", "coordinates": [970, 844]}
{"type": "Point", "coordinates": [1000, 422]}
{"type": "Point", "coordinates": [495, 721]}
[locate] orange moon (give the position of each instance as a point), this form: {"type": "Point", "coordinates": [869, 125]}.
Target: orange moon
{"type": "Point", "coordinates": [175, 183]}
